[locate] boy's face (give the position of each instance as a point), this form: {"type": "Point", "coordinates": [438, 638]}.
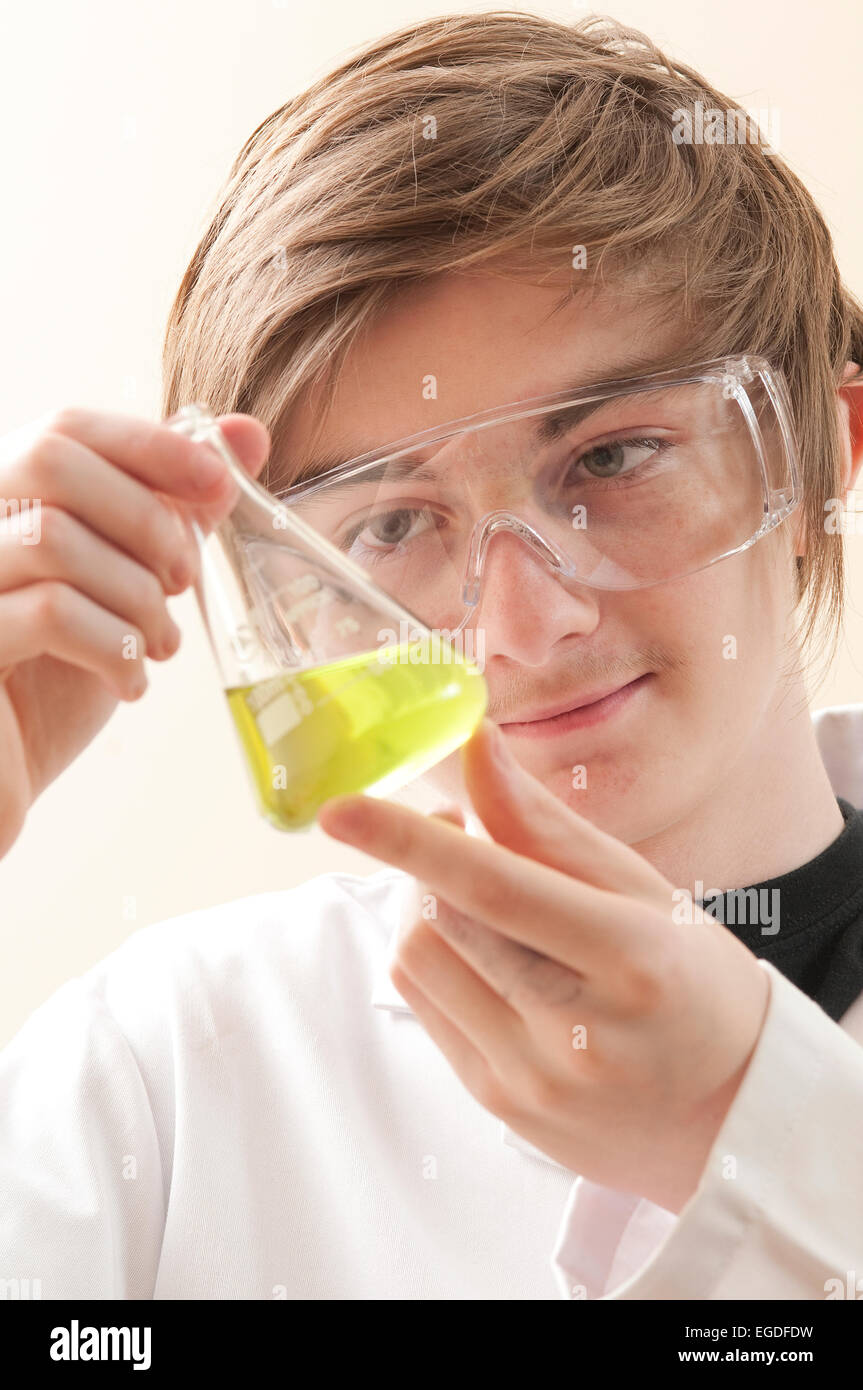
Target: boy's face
{"type": "Point", "coordinates": [709, 646]}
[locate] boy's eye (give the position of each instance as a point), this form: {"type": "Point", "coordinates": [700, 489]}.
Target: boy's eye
{"type": "Point", "coordinates": [390, 528]}
{"type": "Point", "coordinates": [605, 459]}
{"type": "Point", "coordinates": [617, 456]}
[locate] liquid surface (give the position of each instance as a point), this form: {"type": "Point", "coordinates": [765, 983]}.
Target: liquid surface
{"type": "Point", "coordinates": [369, 723]}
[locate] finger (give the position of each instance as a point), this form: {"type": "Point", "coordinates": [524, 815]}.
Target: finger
{"type": "Point", "coordinates": [526, 979]}
{"type": "Point", "coordinates": [65, 474]}
{"type": "Point", "coordinates": [157, 455]}
{"type": "Point", "coordinates": [249, 441]}
{"type": "Point", "coordinates": [53, 619]}
{"type": "Point", "coordinates": [573, 922]}
{"type": "Point", "coordinates": [521, 813]}
{"type": "Point", "coordinates": [416, 902]}
{"type": "Point", "coordinates": [69, 552]}
{"type": "Point", "coordinates": [485, 1019]}
{"type": "Point", "coordinates": [452, 814]}
{"type": "Point", "coordinates": [517, 973]}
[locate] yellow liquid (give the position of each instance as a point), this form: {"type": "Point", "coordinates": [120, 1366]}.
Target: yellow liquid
{"type": "Point", "coordinates": [362, 724]}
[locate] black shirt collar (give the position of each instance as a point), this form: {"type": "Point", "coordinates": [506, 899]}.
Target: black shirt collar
{"type": "Point", "coordinates": [819, 910]}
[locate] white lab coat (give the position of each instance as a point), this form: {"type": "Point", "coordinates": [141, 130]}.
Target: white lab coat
{"type": "Point", "coordinates": [237, 1103]}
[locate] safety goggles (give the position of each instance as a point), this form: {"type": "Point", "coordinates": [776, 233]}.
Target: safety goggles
{"type": "Point", "coordinates": [620, 485]}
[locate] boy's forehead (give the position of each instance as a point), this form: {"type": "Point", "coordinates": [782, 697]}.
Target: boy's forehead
{"type": "Point", "coordinates": [466, 342]}
{"type": "Point", "coordinates": [488, 339]}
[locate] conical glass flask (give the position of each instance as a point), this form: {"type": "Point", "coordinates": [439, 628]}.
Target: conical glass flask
{"type": "Point", "coordinates": [333, 686]}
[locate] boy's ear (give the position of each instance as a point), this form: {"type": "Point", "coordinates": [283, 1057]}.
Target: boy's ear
{"type": "Point", "coordinates": [851, 415]}
{"type": "Point", "coordinates": [850, 407]}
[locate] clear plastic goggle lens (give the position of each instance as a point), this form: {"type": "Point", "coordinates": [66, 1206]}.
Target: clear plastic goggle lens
{"type": "Point", "coordinates": [618, 491]}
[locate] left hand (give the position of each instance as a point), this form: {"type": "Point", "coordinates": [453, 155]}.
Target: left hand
{"type": "Point", "coordinates": [557, 984]}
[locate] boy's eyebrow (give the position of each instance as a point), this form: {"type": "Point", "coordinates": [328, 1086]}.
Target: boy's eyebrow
{"type": "Point", "coordinates": [548, 429]}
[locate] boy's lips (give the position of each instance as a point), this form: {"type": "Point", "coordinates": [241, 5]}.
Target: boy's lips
{"type": "Point", "coordinates": [577, 711]}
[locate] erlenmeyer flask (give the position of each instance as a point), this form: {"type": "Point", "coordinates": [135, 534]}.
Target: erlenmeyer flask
{"type": "Point", "coordinates": [326, 694]}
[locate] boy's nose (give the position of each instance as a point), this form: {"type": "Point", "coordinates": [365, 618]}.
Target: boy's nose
{"type": "Point", "coordinates": [525, 604]}
{"type": "Point", "coordinates": [505, 522]}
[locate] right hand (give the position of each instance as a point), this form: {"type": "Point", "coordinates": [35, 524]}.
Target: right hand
{"type": "Point", "coordinates": [117, 496]}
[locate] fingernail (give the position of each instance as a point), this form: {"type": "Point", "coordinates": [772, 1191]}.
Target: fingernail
{"type": "Point", "coordinates": [209, 467]}
{"type": "Point", "coordinates": [182, 573]}
{"type": "Point", "coordinates": [452, 814]}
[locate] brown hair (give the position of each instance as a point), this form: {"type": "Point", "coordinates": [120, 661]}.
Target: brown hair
{"type": "Point", "coordinates": [543, 128]}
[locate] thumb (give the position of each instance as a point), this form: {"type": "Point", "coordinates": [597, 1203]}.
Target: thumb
{"type": "Point", "coordinates": [519, 812]}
